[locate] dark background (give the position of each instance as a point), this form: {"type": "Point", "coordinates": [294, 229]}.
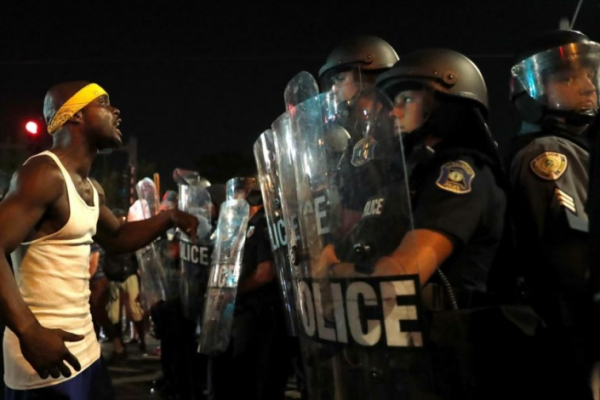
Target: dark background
{"type": "Point", "coordinates": [198, 82]}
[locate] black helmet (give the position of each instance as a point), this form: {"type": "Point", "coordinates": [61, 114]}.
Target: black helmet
{"type": "Point", "coordinates": [550, 53]}
{"type": "Point", "coordinates": [445, 71]}
{"type": "Point", "coordinates": [368, 53]}
{"type": "Point", "coordinates": [459, 91]}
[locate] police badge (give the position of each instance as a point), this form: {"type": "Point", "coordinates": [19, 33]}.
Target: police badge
{"type": "Point", "coordinates": [363, 152]}
{"type": "Point", "coordinates": [549, 165]}
{"type": "Point", "coordinates": [250, 232]}
{"type": "Point", "coordinates": [456, 177]}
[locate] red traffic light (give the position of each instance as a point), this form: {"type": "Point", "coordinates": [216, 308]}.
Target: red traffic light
{"type": "Point", "coordinates": [32, 127]}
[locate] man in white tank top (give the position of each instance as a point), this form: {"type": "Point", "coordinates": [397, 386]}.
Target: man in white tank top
{"type": "Point", "coordinates": [50, 216]}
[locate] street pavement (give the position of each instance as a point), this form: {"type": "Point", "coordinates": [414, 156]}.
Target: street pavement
{"type": "Point", "coordinates": [133, 376]}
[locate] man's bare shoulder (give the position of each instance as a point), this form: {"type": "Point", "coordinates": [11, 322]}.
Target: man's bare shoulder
{"type": "Point", "coordinates": [40, 177]}
{"type": "Point", "coordinates": [36, 188]}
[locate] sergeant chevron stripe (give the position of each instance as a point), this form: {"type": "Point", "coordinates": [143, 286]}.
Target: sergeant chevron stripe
{"type": "Point", "coordinates": [565, 200]}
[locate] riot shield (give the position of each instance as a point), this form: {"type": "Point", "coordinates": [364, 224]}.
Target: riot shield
{"type": "Point", "coordinates": [359, 312]}
{"type": "Point", "coordinates": [225, 269]}
{"type": "Point", "coordinates": [194, 258]}
{"type": "Point", "coordinates": [153, 278]}
{"type": "Point", "coordinates": [301, 87]}
{"type": "Point", "coordinates": [265, 155]}
{"type": "Point", "coordinates": [188, 177]}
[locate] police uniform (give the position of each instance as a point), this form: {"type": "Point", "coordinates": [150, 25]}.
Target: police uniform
{"type": "Point", "coordinates": [457, 192]}
{"type": "Point", "coordinates": [549, 176]}
{"type": "Point", "coordinates": [252, 366]}
{"type": "Point", "coordinates": [453, 191]}
{"type": "Point", "coordinates": [593, 206]}
{"type": "Point", "coordinates": [176, 319]}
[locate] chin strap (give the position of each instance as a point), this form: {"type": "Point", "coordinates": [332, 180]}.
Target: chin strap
{"type": "Point", "coordinates": [573, 117]}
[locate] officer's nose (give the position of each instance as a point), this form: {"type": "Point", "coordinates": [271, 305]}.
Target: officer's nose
{"type": "Point", "coordinates": [587, 88]}
{"type": "Point", "coordinates": [397, 112]}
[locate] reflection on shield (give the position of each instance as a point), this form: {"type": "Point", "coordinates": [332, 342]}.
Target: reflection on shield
{"type": "Point", "coordinates": [226, 262]}
{"type": "Point", "coordinates": [152, 278]}
{"type": "Point", "coordinates": [194, 258]}
{"type": "Point", "coordinates": [265, 153]}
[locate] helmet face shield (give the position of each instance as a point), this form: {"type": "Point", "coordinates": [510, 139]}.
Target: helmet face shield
{"type": "Point", "coordinates": [562, 78]}
{"type": "Point", "coordinates": [368, 124]}
{"type": "Point", "coordinates": [344, 84]}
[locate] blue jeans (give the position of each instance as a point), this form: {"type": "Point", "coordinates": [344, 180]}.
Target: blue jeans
{"type": "Point", "coordinates": [92, 384]}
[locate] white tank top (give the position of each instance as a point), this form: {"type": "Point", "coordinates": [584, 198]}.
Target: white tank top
{"type": "Point", "coordinates": [52, 274]}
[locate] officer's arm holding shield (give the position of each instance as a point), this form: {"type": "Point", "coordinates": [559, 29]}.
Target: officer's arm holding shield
{"type": "Point", "coordinates": [422, 253]}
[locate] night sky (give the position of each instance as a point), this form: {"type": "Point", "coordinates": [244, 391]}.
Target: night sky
{"type": "Point", "coordinates": [194, 80]}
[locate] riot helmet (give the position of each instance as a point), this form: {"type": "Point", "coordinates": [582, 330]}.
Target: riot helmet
{"type": "Point", "coordinates": [444, 71]}
{"type": "Point", "coordinates": [244, 187]}
{"type": "Point", "coordinates": [355, 62]}
{"type": "Point", "coordinates": [439, 93]}
{"type": "Point", "coordinates": [557, 74]}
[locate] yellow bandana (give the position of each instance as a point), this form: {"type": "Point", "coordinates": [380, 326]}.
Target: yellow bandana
{"type": "Point", "coordinates": [79, 100]}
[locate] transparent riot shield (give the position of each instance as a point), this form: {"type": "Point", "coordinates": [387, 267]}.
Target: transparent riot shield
{"type": "Point", "coordinates": [153, 277]}
{"type": "Point", "coordinates": [225, 269]}
{"type": "Point", "coordinates": [189, 177]}
{"type": "Point", "coordinates": [358, 308]}
{"type": "Point", "coordinates": [265, 155]}
{"type": "Point", "coordinates": [194, 258]}
{"type": "Point", "coordinates": [301, 87]}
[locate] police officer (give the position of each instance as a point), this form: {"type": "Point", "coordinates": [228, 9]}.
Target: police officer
{"type": "Point", "coordinates": [176, 319]}
{"type": "Point", "coordinates": [350, 69]}
{"type": "Point", "coordinates": [354, 62]}
{"type": "Point", "coordinates": [554, 87]}
{"type": "Point", "coordinates": [458, 198]}
{"type": "Point", "coordinates": [256, 364]}
{"type": "Point", "coordinates": [440, 105]}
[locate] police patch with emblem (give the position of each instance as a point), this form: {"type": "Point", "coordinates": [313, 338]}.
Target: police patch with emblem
{"type": "Point", "coordinates": [456, 177]}
{"type": "Point", "coordinates": [363, 152]}
{"type": "Point", "coordinates": [250, 232]}
{"type": "Point", "coordinates": [549, 165]}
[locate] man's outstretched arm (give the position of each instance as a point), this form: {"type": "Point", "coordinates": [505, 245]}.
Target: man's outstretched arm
{"type": "Point", "coordinates": [121, 238]}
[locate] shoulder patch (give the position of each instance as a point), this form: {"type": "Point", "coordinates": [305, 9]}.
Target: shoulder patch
{"type": "Point", "coordinates": [250, 231]}
{"type": "Point", "coordinates": [549, 165]}
{"type": "Point", "coordinates": [456, 177]}
{"type": "Point", "coordinates": [363, 152]}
